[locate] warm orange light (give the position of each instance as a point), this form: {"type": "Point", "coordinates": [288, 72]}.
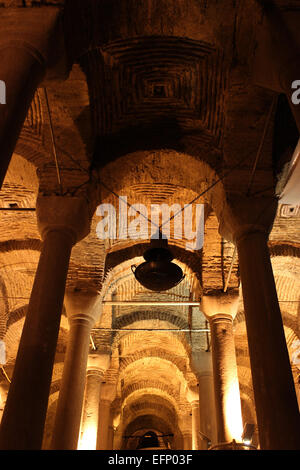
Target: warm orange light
{"type": "Point", "coordinates": [88, 439]}
{"type": "Point", "coordinates": [233, 411]}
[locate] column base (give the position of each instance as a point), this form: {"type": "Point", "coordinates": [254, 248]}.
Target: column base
{"type": "Point", "coordinates": [232, 446]}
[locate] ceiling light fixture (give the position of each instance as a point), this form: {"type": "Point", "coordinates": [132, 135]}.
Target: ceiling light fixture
{"type": "Point", "coordinates": [158, 273]}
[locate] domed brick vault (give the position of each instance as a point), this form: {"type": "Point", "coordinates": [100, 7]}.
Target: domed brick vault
{"type": "Point", "coordinates": [160, 102]}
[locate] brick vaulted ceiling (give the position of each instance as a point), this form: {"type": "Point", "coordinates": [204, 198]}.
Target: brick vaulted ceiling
{"type": "Point", "coordinates": [158, 101]}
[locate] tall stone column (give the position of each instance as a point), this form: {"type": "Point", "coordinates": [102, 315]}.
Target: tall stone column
{"type": "Point", "coordinates": [96, 368]}
{"type": "Point", "coordinates": [195, 424]}
{"type": "Point", "coordinates": [193, 398]}
{"type": "Point", "coordinates": [83, 309]}
{"type": "Point", "coordinates": [111, 432]}
{"type": "Point", "coordinates": [202, 366]}
{"type": "Point", "coordinates": [220, 309]}
{"type": "Point", "coordinates": [185, 422]}
{"type": "Point", "coordinates": [62, 222]}
{"type": "Point", "coordinates": [187, 440]}
{"type": "Point", "coordinates": [250, 220]}
{"type": "Point", "coordinates": [108, 393]}
{"type": "Point", "coordinates": [28, 42]}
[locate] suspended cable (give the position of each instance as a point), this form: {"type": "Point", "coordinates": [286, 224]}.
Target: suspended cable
{"type": "Point", "coordinates": [53, 142]}
{"type": "Point", "coordinates": [266, 127]}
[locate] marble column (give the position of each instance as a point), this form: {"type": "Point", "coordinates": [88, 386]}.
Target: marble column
{"type": "Point", "coordinates": [111, 432]}
{"type": "Point", "coordinates": [27, 48]}
{"type": "Point", "coordinates": [187, 440]}
{"type": "Point", "coordinates": [108, 393]}
{"type": "Point", "coordinates": [192, 396]}
{"type": "Point", "coordinates": [62, 222]}
{"type": "Point", "coordinates": [247, 222]}
{"type": "Point", "coordinates": [202, 366]}
{"type": "Point", "coordinates": [96, 368]}
{"type": "Point", "coordinates": [195, 424]}
{"type": "Point", "coordinates": [220, 309]}
{"type": "Point", "coordinates": [270, 364]}
{"type": "Point", "coordinates": [83, 310]}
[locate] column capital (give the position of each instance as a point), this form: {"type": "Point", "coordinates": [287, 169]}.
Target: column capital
{"type": "Point", "coordinates": [83, 307]}
{"type": "Point", "coordinates": [201, 363]}
{"type": "Point", "coordinates": [192, 396]}
{"type": "Point", "coordinates": [108, 392]}
{"type": "Point", "coordinates": [220, 305]}
{"type": "Point", "coordinates": [243, 215]}
{"type": "Point", "coordinates": [98, 363]}
{"type": "Point", "coordinates": [62, 213]}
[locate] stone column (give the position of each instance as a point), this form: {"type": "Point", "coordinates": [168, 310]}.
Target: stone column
{"type": "Point", "coordinates": [62, 222]}
{"type": "Point", "coordinates": [195, 424]}
{"type": "Point", "coordinates": [108, 393]}
{"type": "Point", "coordinates": [187, 440]}
{"type": "Point", "coordinates": [96, 368]}
{"type": "Point", "coordinates": [193, 398]}
{"type": "Point", "coordinates": [83, 309]}
{"type": "Point", "coordinates": [111, 433]}
{"type": "Point", "coordinates": [250, 220]}
{"type": "Point", "coordinates": [202, 366]}
{"type": "Point", "coordinates": [220, 310]}
{"type": "Point", "coordinates": [27, 43]}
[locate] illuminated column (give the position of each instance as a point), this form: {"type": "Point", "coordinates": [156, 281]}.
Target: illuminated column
{"type": "Point", "coordinates": [111, 432]}
{"type": "Point", "coordinates": [202, 366]}
{"type": "Point", "coordinates": [195, 424]}
{"type": "Point", "coordinates": [83, 309]}
{"type": "Point", "coordinates": [108, 393]}
{"type": "Point", "coordinates": [193, 398]}
{"type": "Point", "coordinates": [62, 222]}
{"type": "Point", "coordinates": [220, 309]}
{"type": "Point", "coordinates": [270, 364]}
{"type": "Point", "coordinates": [96, 368]}
{"type": "Point", "coordinates": [248, 222]}
{"type": "Point", "coordinates": [185, 423]}
{"type": "Point", "coordinates": [187, 440]}
{"type": "Point", "coordinates": [26, 38]}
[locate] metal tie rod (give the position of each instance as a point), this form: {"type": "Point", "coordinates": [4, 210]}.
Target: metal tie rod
{"type": "Point", "coordinates": [128, 303]}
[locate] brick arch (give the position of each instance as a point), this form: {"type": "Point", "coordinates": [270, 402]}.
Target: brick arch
{"type": "Point", "coordinates": [284, 249]}
{"type": "Point", "coordinates": [148, 421]}
{"type": "Point", "coordinates": [150, 384]}
{"type": "Point", "coordinates": [4, 312]}
{"type": "Point", "coordinates": [16, 315]}
{"type": "Point", "coordinates": [165, 167]}
{"type": "Point", "coordinates": [140, 315]}
{"type": "Point", "coordinates": [161, 353]}
{"type": "Point", "coordinates": [147, 399]}
{"type": "Point", "coordinates": [159, 407]}
{"type": "Point", "coordinates": [138, 392]}
{"type": "Point", "coordinates": [179, 338]}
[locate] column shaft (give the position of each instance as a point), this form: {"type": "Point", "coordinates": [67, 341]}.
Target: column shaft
{"type": "Point", "coordinates": [274, 391]}
{"type": "Point", "coordinates": [227, 397]}
{"type": "Point", "coordinates": [207, 410]}
{"type": "Point", "coordinates": [25, 411]}
{"type": "Point", "coordinates": [70, 401]}
{"type": "Point", "coordinates": [187, 441]}
{"type": "Point", "coordinates": [22, 70]}
{"type": "Point", "coordinates": [90, 416]}
{"type": "Point", "coordinates": [104, 421]}
{"type": "Point", "coordinates": [195, 425]}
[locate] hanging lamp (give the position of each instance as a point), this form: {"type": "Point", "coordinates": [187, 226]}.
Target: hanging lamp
{"type": "Point", "coordinates": [158, 273]}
